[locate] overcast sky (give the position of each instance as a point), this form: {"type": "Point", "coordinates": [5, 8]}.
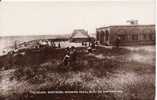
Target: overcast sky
{"type": "Point", "coordinates": [33, 18]}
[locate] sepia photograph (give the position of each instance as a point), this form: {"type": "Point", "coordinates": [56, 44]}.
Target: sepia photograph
{"type": "Point", "coordinates": [82, 50]}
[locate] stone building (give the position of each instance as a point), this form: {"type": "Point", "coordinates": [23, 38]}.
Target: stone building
{"type": "Point", "coordinates": [128, 34]}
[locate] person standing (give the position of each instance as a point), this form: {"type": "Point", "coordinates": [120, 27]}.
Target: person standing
{"type": "Point", "coordinates": [117, 41]}
{"type": "Point", "coordinates": [67, 50]}
{"type": "Point", "coordinates": [66, 60]}
{"type": "Point", "coordinates": [73, 55]}
{"type": "Point", "coordinates": [59, 45]}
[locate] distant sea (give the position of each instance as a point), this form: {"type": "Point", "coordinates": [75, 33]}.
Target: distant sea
{"type": "Point", "coordinates": [7, 41]}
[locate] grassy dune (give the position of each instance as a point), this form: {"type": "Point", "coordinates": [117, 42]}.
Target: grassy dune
{"type": "Point", "coordinates": [127, 70]}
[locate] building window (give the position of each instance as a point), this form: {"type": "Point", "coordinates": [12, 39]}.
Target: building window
{"type": "Point", "coordinates": [107, 35]}
{"type": "Point", "coordinates": [123, 36]}
{"type": "Point", "coordinates": [101, 38]}
{"type": "Point", "coordinates": [134, 37]}
{"type": "Point", "coordinates": [151, 37]}
{"type": "Point", "coordinates": [144, 37]}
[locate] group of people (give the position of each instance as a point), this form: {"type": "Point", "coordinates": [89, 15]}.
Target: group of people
{"type": "Point", "coordinates": [47, 43]}
{"type": "Point", "coordinates": [70, 57]}
{"type": "Point", "coordinates": [71, 53]}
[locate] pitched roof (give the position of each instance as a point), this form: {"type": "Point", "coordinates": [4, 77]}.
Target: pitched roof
{"type": "Point", "coordinates": [80, 33]}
